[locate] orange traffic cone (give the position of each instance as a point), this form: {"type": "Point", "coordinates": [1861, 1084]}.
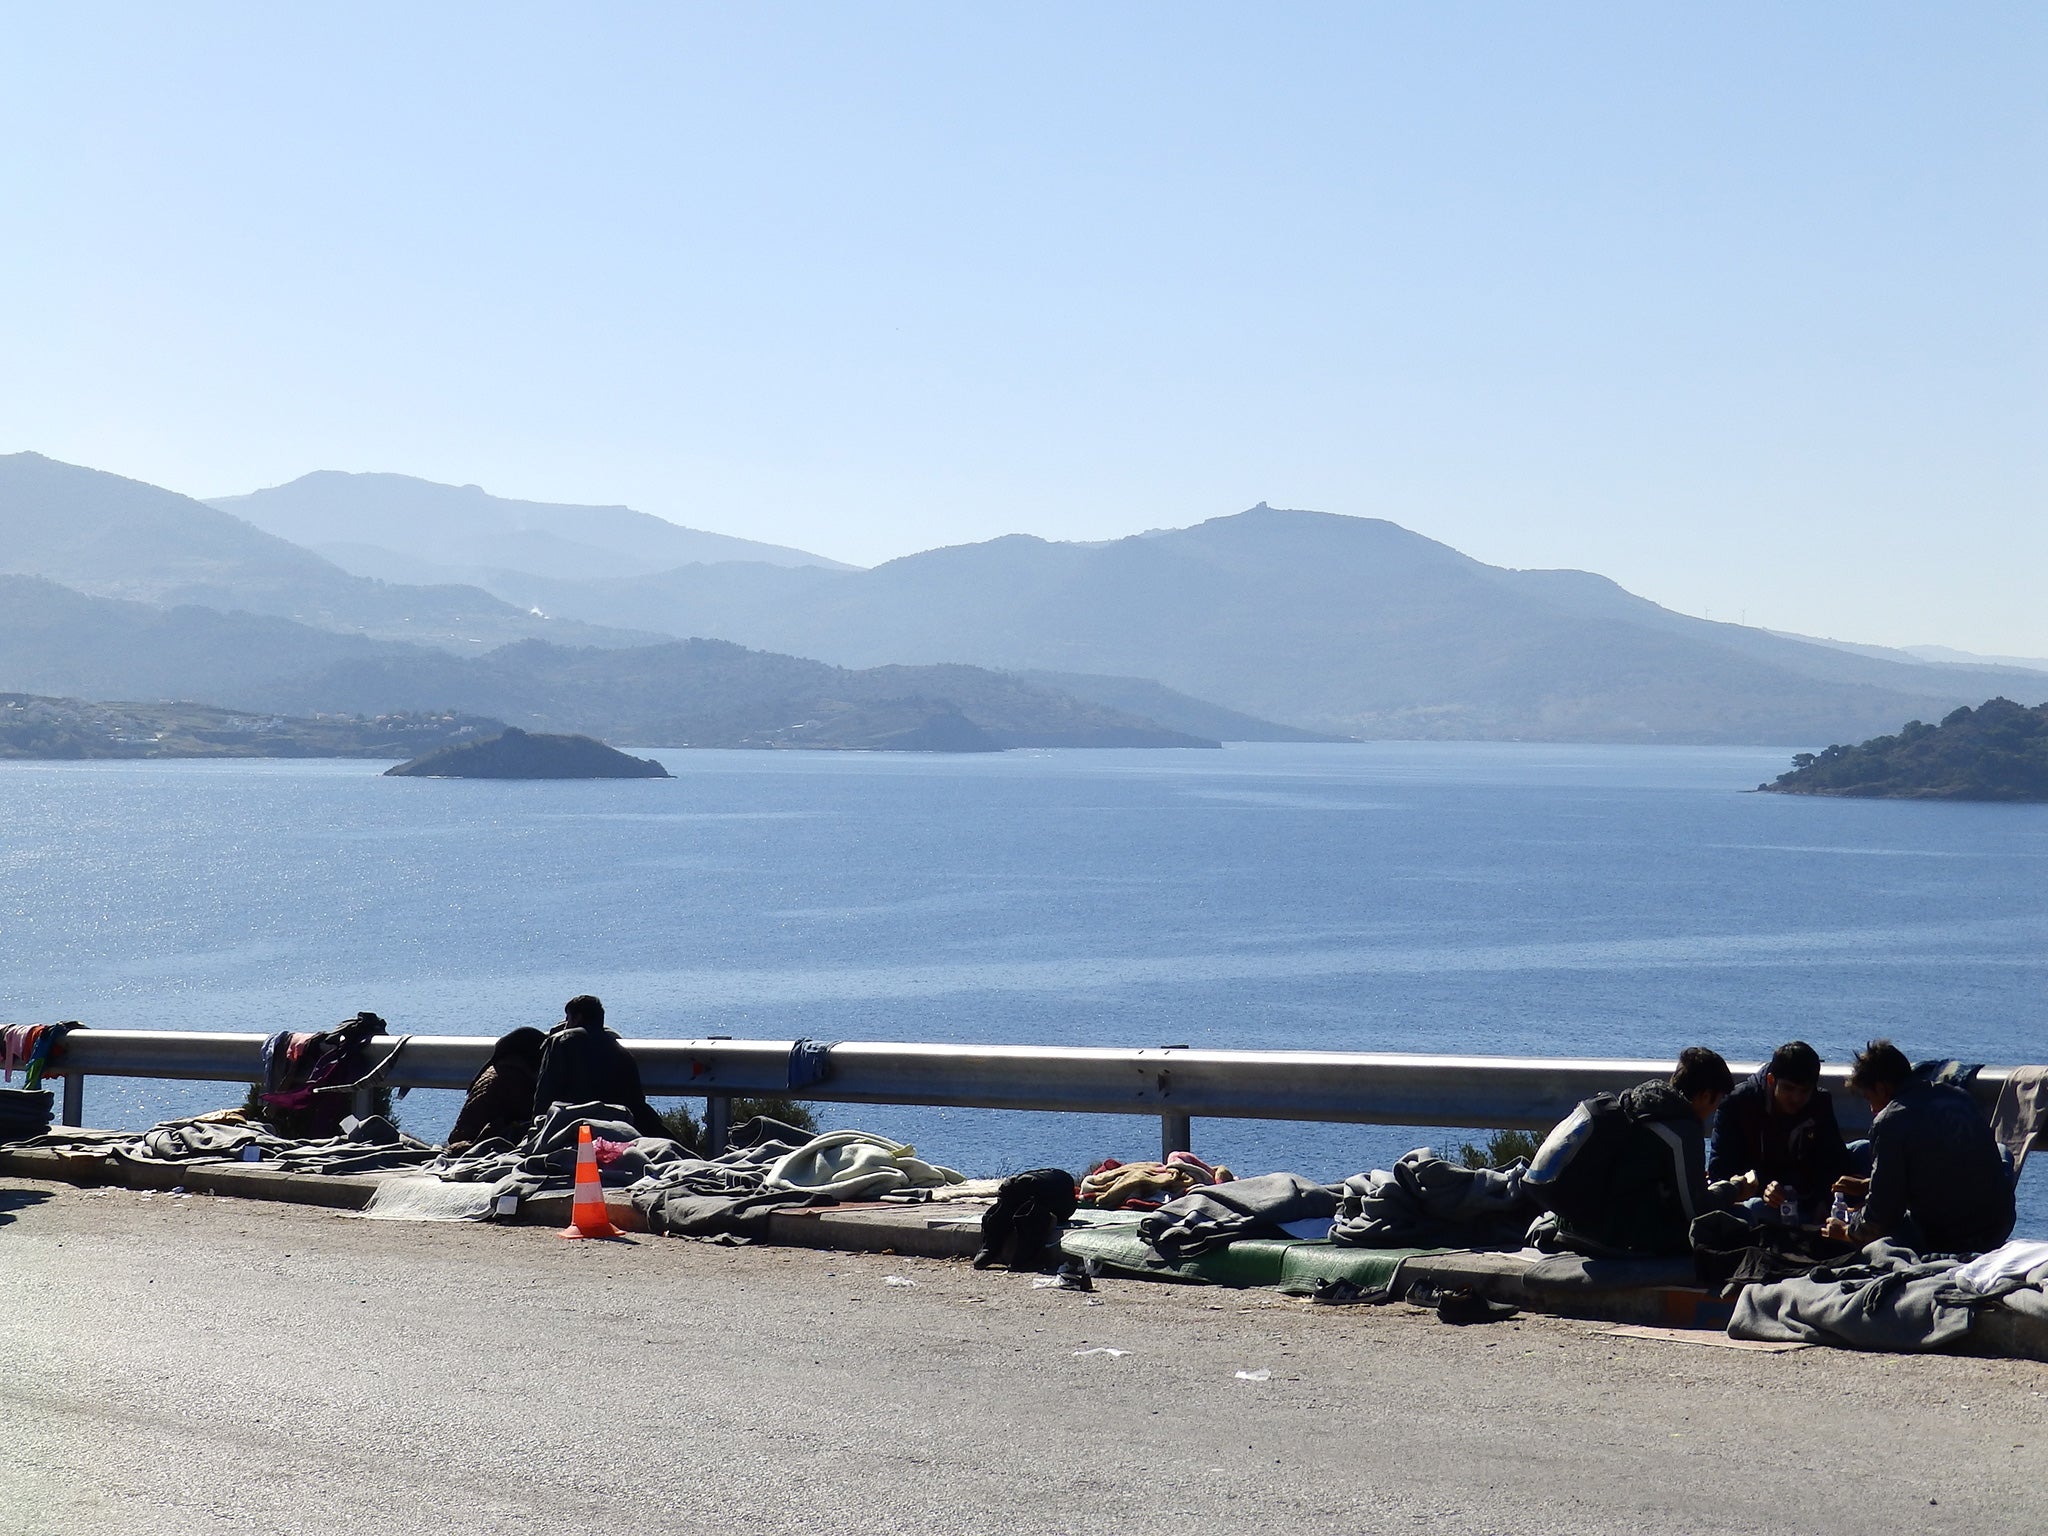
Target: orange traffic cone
{"type": "Point", "coordinates": [587, 1215]}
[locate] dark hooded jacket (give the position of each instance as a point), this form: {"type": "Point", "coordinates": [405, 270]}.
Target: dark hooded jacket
{"type": "Point", "coordinates": [500, 1101]}
{"type": "Point", "coordinates": [1937, 1169]}
{"type": "Point", "coordinates": [1805, 1150]}
{"type": "Point", "coordinates": [588, 1064]}
{"type": "Point", "coordinates": [1656, 1180]}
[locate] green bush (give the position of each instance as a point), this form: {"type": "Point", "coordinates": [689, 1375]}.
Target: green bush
{"type": "Point", "coordinates": [685, 1128]}
{"type": "Point", "coordinates": [1502, 1148]}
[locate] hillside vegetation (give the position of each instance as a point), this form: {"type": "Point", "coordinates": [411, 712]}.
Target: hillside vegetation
{"type": "Point", "coordinates": [72, 729]}
{"type": "Point", "coordinates": [1997, 751]}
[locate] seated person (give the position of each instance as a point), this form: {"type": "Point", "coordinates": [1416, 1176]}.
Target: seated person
{"type": "Point", "coordinates": [585, 1063]}
{"type": "Point", "coordinates": [1628, 1174]}
{"type": "Point", "coordinates": [1777, 1132]}
{"type": "Point", "coordinates": [1937, 1182]}
{"type": "Point", "coordinates": [500, 1101]}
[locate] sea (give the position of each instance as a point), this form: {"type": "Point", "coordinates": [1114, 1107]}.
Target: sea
{"type": "Point", "coordinates": [1444, 897]}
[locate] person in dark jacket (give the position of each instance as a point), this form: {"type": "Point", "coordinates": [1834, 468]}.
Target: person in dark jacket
{"type": "Point", "coordinates": [1937, 1182]}
{"type": "Point", "coordinates": [585, 1063]}
{"type": "Point", "coordinates": [1777, 1131]}
{"type": "Point", "coordinates": [1652, 1174]}
{"type": "Point", "coordinates": [500, 1101]}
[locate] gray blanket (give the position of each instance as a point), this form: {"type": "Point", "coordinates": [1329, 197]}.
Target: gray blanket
{"type": "Point", "coordinates": [719, 1196]}
{"type": "Point", "coordinates": [1886, 1297]}
{"type": "Point", "coordinates": [373, 1145]}
{"type": "Point", "coordinates": [545, 1162]}
{"type": "Point", "coordinates": [1426, 1202]}
{"type": "Point", "coordinates": [1207, 1219]}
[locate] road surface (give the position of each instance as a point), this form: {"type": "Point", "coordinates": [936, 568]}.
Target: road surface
{"type": "Point", "coordinates": [214, 1365]}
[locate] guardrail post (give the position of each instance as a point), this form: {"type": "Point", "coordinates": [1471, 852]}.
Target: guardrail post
{"type": "Point", "coordinates": [361, 1104]}
{"type": "Point", "coordinates": [717, 1123]}
{"type": "Point", "coordinates": [74, 1098]}
{"type": "Point", "coordinates": [1176, 1134]}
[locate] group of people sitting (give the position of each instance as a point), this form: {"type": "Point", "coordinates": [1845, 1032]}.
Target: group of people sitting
{"type": "Point", "coordinates": [1630, 1173]}
{"type": "Point", "coordinates": [579, 1061]}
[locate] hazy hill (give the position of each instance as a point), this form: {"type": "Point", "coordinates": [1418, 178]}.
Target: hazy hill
{"type": "Point", "coordinates": [709, 693]}
{"type": "Point", "coordinates": [60, 642]}
{"type": "Point", "coordinates": [1155, 701]}
{"type": "Point", "coordinates": [47, 728]}
{"type": "Point", "coordinates": [111, 537]}
{"type": "Point", "coordinates": [403, 529]}
{"type": "Point", "coordinates": [513, 754]}
{"type": "Point", "coordinates": [54, 641]}
{"type": "Point", "coordinates": [1997, 751]}
{"type": "Point", "coordinates": [1353, 626]}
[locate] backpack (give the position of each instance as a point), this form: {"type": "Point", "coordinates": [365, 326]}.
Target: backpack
{"type": "Point", "coordinates": [1572, 1173]}
{"type": "Point", "coordinates": [311, 1097]}
{"type": "Point", "coordinates": [1022, 1229]}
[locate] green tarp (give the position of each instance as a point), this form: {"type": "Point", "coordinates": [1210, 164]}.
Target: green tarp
{"type": "Point", "coordinates": [1291, 1264]}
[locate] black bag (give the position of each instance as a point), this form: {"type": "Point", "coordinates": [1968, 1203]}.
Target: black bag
{"type": "Point", "coordinates": [1023, 1226]}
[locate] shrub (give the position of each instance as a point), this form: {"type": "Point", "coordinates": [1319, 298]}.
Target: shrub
{"type": "Point", "coordinates": [1502, 1148]}
{"type": "Point", "coordinates": [685, 1128]}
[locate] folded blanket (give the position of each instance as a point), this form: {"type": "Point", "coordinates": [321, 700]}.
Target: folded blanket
{"type": "Point", "coordinates": [1112, 1185]}
{"type": "Point", "coordinates": [855, 1165]}
{"type": "Point", "coordinates": [1885, 1297]}
{"type": "Point", "coordinates": [1212, 1218]}
{"type": "Point", "coordinates": [1424, 1200]}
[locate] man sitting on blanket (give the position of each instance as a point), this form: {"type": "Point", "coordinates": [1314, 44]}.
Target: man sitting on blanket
{"type": "Point", "coordinates": [1937, 1181]}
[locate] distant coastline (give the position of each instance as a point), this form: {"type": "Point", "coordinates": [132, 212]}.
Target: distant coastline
{"type": "Point", "coordinates": [37, 728]}
{"type": "Point", "coordinates": [1997, 751]}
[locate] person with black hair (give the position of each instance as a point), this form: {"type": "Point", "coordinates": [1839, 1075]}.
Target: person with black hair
{"type": "Point", "coordinates": [585, 1063]}
{"type": "Point", "coordinates": [1937, 1181]}
{"type": "Point", "coordinates": [1628, 1174]}
{"type": "Point", "coordinates": [1777, 1131]}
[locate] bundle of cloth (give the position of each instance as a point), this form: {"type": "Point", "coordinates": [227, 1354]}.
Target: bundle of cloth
{"type": "Point", "coordinates": [767, 1164]}
{"type": "Point", "coordinates": [1887, 1297]}
{"type": "Point", "coordinates": [1112, 1185]}
{"type": "Point", "coordinates": [26, 1048]}
{"type": "Point", "coordinates": [308, 1077]}
{"type": "Point", "coordinates": [1205, 1220]}
{"type": "Point", "coordinates": [1423, 1201]}
{"type": "Point", "coordinates": [543, 1160]}
{"type": "Point", "coordinates": [369, 1145]}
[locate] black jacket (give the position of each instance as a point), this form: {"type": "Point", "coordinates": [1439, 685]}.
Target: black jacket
{"type": "Point", "coordinates": [1644, 1180]}
{"type": "Point", "coordinates": [1936, 1162]}
{"type": "Point", "coordinates": [584, 1065]}
{"type": "Point", "coordinates": [1805, 1150]}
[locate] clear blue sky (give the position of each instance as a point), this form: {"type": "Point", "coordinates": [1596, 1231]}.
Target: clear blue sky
{"type": "Point", "coordinates": [1742, 305]}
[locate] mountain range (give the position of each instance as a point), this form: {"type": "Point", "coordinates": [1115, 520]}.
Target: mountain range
{"type": "Point", "coordinates": [1349, 626]}
{"type": "Point", "coordinates": [111, 537]}
{"type": "Point", "coordinates": [400, 529]}
{"type": "Point", "coordinates": [1332, 626]}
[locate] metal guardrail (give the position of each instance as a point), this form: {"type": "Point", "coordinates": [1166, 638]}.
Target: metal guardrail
{"type": "Point", "coordinates": [1173, 1083]}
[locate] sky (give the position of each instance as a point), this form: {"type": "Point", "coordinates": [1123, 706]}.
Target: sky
{"type": "Point", "coordinates": [1741, 305]}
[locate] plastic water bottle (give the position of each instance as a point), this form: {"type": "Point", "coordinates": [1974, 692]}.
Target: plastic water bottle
{"type": "Point", "coordinates": [1788, 1208]}
{"type": "Point", "coordinates": [1839, 1211]}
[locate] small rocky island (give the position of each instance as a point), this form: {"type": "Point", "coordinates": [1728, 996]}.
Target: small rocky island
{"type": "Point", "coordinates": [1997, 751]}
{"type": "Point", "coordinates": [517, 755]}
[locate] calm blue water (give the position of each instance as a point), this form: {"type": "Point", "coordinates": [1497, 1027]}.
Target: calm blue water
{"type": "Point", "coordinates": [1467, 897]}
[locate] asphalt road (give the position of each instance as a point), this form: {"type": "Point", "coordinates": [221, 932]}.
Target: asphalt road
{"type": "Point", "coordinates": [215, 1365]}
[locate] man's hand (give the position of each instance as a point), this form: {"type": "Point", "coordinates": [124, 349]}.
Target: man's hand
{"type": "Point", "coordinates": [1838, 1230]}
{"type": "Point", "coordinates": [1774, 1193]}
{"type": "Point", "coordinates": [1852, 1188]}
{"type": "Point", "coordinates": [1743, 1185]}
